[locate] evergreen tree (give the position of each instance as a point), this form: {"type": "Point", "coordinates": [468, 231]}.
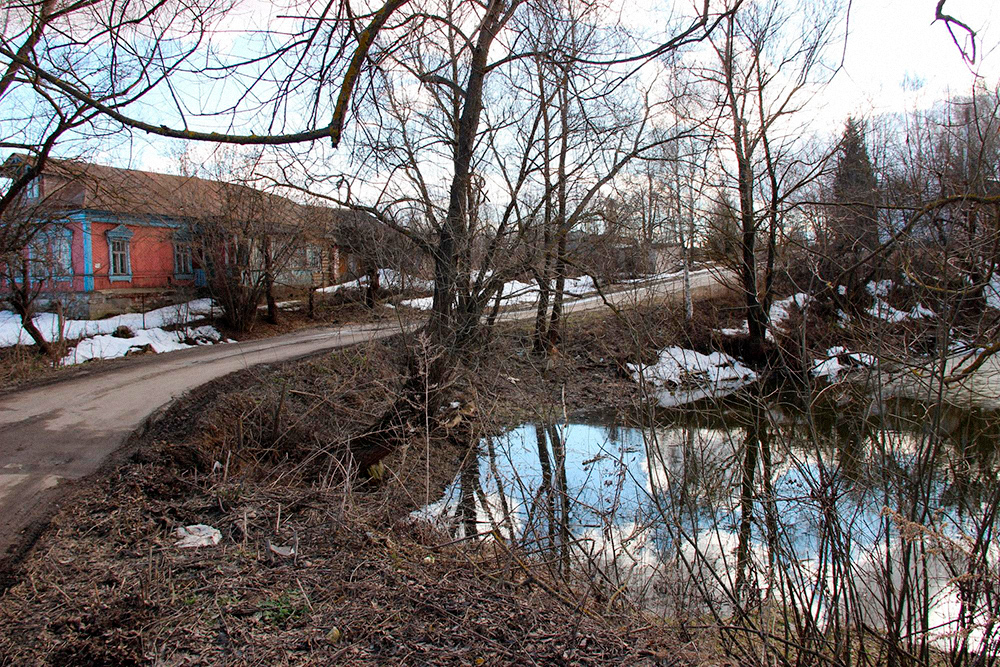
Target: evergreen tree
{"type": "Point", "coordinates": [853, 219]}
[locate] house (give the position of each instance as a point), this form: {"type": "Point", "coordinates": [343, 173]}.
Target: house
{"type": "Point", "coordinates": [120, 239]}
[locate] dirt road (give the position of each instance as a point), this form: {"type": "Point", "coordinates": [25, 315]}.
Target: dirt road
{"type": "Point", "coordinates": [66, 430]}
{"type": "Point", "coordinates": [55, 434]}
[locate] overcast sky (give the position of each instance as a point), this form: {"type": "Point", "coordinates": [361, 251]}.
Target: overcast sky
{"type": "Point", "coordinates": [897, 56]}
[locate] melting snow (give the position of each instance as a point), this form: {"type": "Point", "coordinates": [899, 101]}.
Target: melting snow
{"type": "Point", "coordinates": [879, 289]}
{"type": "Point", "coordinates": [683, 376]}
{"type": "Point", "coordinates": [96, 341]}
{"type": "Point", "coordinates": [11, 332]}
{"type": "Point", "coordinates": [158, 340]}
{"type": "Point", "coordinates": [839, 359]}
{"type": "Point", "coordinates": [781, 310]}
{"type": "Point", "coordinates": [515, 292]}
{"type": "Point", "coordinates": [387, 278]}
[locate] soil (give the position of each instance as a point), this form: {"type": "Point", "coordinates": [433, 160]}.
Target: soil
{"type": "Point", "coordinates": [317, 565]}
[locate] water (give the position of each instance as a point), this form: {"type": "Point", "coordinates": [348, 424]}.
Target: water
{"type": "Point", "coordinates": [887, 521]}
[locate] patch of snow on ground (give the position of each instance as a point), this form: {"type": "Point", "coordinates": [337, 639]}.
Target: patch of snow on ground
{"type": "Point", "coordinates": [105, 346]}
{"type": "Point", "coordinates": [838, 360]}
{"type": "Point", "coordinates": [423, 303]}
{"type": "Point", "coordinates": [778, 313]}
{"type": "Point", "coordinates": [581, 285]}
{"type": "Point", "coordinates": [880, 289]}
{"type": "Point", "coordinates": [11, 332]}
{"type": "Point", "coordinates": [516, 293]}
{"type": "Point", "coordinates": [781, 310]}
{"type": "Point", "coordinates": [682, 376]}
{"type": "Point", "coordinates": [387, 279]}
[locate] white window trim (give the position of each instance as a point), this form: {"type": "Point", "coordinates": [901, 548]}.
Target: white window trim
{"type": "Point", "coordinates": [123, 234]}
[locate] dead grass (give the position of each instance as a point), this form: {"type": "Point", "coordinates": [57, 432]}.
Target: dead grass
{"type": "Point", "coordinates": [21, 365]}
{"type": "Point", "coordinates": [261, 458]}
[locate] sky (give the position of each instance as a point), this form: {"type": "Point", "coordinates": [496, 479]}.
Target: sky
{"type": "Point", "coordinates": [898, 58]}
{"type": "Point", "coordinates": [895, 59]}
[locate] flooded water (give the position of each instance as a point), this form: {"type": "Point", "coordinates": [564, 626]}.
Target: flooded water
{"type": "Point", "coordinates": [842, 518]}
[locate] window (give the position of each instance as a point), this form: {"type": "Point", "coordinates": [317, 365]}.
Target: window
{"type": "Point", "coordinates": [312, 257]}
{"type": "Point", "coordinates": [51, 254]}
{"type": "Point", "coordinates": [62, 253]}
{"type": "Point", "coordinates": [119, 254]}
{"type": "Point", "coordinates": [119, 257]}
{"type": "Point", "coordinates": [183, 254]}
{"type": "Point", "coordinates": [33, 190]}
{"type": "Point", "coordinates": [183, 265]}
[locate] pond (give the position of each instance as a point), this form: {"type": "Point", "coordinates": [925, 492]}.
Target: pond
{"type": "Point", "coordinates": [836, 521]}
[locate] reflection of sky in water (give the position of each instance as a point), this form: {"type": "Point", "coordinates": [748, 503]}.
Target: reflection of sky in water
{"type": "Point", "coordinates": [610, 475]}
{"type": "Point", "coordinates": [617, 522]}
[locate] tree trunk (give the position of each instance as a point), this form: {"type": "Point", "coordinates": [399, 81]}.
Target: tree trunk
{"type": "Point", "coordinates": [555, 323]}
{"type": "Point", "coordinates": [22, 299]}
{"type": "Point", "coordinates": [371, 293]}
{"type": "Point", "coordinates": [756, 323]}
{"type": "Point", "coordinates": [27, 321]}
{"type": "Point", "coordinates": [453, 238]}
{"type": "Point", "coordinates": [272, 304]}
{"type": "Point", "coordinates": [545, 279]}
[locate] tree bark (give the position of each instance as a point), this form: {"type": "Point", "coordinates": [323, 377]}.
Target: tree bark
{"type": "Point", "coordinates": [555, 322]}
{"type": "Point", "coordinates": [444, 325]}
{"type": "Point", "coordinates": [22, 299]}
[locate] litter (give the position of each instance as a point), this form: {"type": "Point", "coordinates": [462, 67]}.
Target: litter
{"type": "Point", "coordinates": [197, 535]}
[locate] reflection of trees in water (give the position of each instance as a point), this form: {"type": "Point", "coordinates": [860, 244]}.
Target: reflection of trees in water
{"type": "Point", "coordinates": [545, 493]}
{"type": "Point", "coordinates": [562, 494]}
{"type": "Point", "coordinates": [860, 533]}
{"type": "Point", "coordinates": [547, 512]}
{"type": "Point", "coordinates": [468, 478]}
{"type": "Point", "coordinates": [769, 519]}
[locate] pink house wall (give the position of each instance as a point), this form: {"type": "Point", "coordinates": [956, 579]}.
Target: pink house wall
{"type": "Point", "coordinates": [151, 253]}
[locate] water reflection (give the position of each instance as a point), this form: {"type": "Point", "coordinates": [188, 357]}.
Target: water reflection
{"type": "Point", "coordinates": [836, 521]}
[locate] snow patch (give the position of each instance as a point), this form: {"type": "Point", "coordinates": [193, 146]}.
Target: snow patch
{"type": "Point", "coordinates": [781, 310]}
{"type": "Point", "coordinates": [387, 278]}
{"type": "Point", "coordinates": [683, 376]}
{"type": "Point", "coordinates": [880, 309]}
{"type": "Point", "coordinates": [839, 360]}
{"type": "Point", "coordinates": [12, 333]}
{"type": "Point", "coordinates": [516, 292]}
{"type": "Point", "coordinates": [158, 340]}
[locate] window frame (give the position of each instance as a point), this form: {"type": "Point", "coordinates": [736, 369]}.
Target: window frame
{"type": "Point", "coordinates": [183, 260]}
{"type": "Point", "coordinates": [123, 235]}
{"type": "Point", "coordinates": [33, 190]}
{"type": "Point", "coordinates": [55, 243]}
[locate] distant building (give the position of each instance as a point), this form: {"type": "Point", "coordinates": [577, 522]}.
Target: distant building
{"type": "Point", "coordinates": [121, 238]}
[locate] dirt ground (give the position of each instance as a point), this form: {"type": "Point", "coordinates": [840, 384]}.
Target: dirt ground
{"type": "Point", "coordinates": [312, 568]}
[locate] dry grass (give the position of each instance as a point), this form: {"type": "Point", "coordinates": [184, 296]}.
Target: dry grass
{"type": "Point", "coordinates": [21, 365]}
{"type": "Point", "coordinates": [261, 458]}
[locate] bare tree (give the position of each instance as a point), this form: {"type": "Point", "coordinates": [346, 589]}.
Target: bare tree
{"type": "Point", "coordinates": [246, 238]}
{"type": "Point", "coordinates": [768, 61]}
{"type": "Point", "coordinates": [38, 255]}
